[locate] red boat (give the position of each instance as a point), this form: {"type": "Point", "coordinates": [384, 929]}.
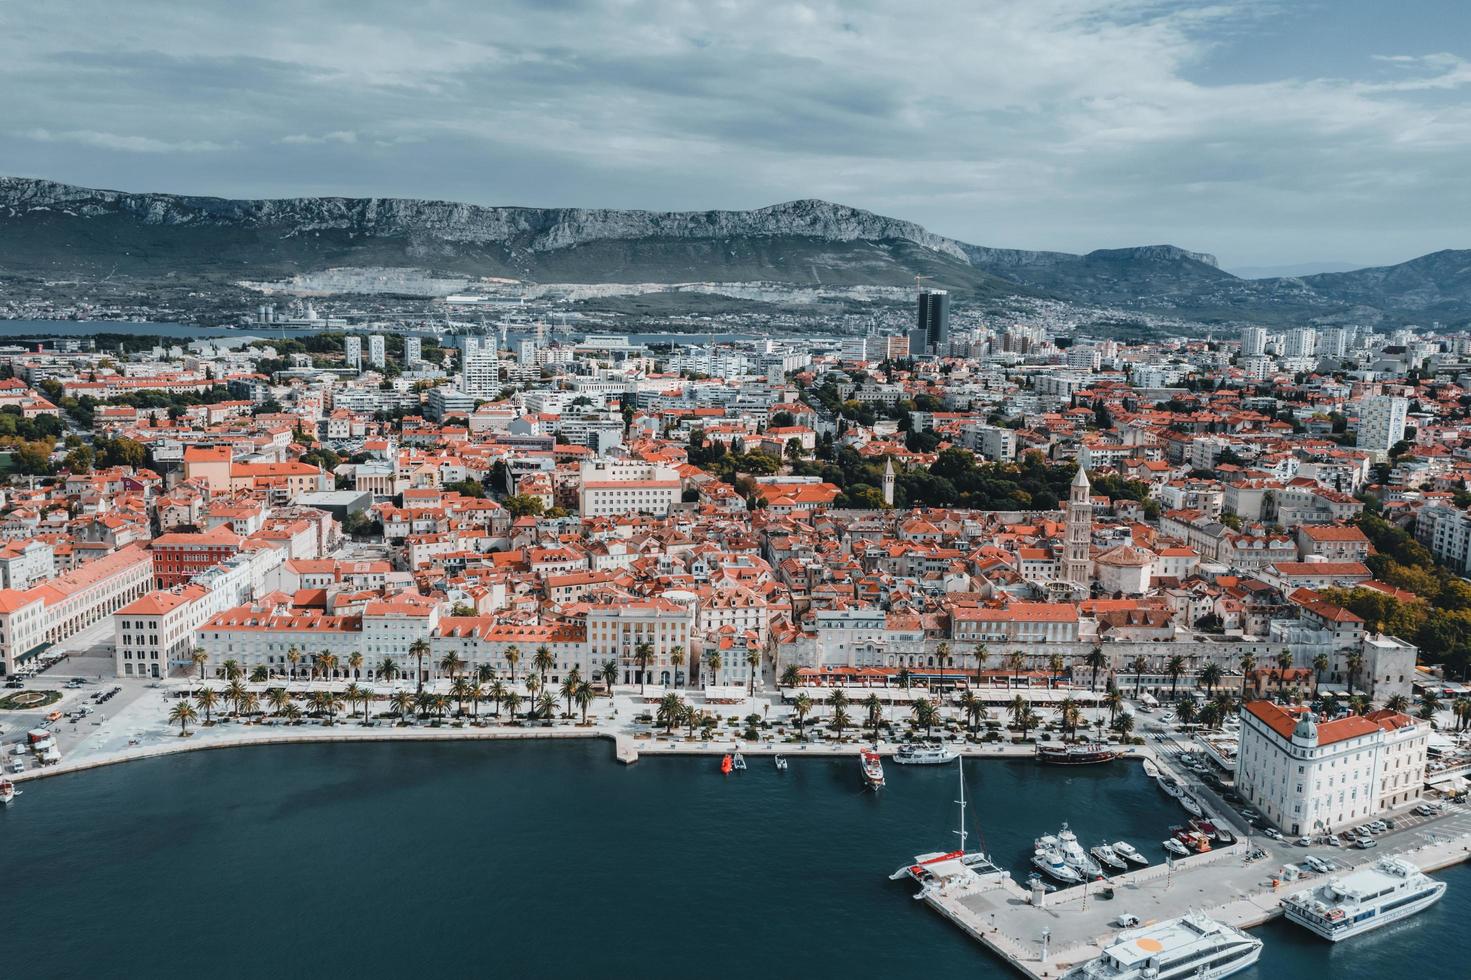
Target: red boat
{"type": "Point", "coordinates": [725, 764]}
{"type": "Point", "coordinates": [873, 768]}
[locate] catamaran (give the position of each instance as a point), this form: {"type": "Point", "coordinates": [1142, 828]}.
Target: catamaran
{"type": "Point", "coordinates": [938, 868]}
{"type": "Point", "coordinates": [873, 768]}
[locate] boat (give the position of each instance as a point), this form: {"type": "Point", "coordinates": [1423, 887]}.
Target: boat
{"type": "Point", "coordinates": [1108, 857]}
{"type": "Point", "coordinates": [939, 868]}
{"type": "Point", "coordinates": [1195, 841]}
{"type": "Point", "coordinates": [8, 792]}
{"type": "Point", "coordinates": [873, 768]}
{"type": "Point", "coordinates": [1150, 769]}
{"type": "Point", "coordinates": [1035, 880]}
{"type": "Point", "coordinates": [1204, 826]}
{"type": "Point", "coordinates": [738, 761]}
{"type": "Point", "coordinates": [1168, 784]}
{"type": "Point", "coordinates": [1365, 899]}
{"type": "Point", "coordinates": [1128, 852]}
{"type": "Point", "coordinates": [1191, 804]}
{"type": "Point", "coordinates": [781, 763]}
{"type": "Point", "coordinates": [1190, 947]}
{"type": "Point", "coordinates": [725, 764]}
{"type": "Point", "coordinates": [1075, 856]}
{"type": "Point", "coordinates": [1084, 754]}
{"type": "Point", "coordinates": [1175, 847]}
{"type": "Point", "coordinates": [1051, 863]}
{"type": "Point", "coordinates": [925, 755]}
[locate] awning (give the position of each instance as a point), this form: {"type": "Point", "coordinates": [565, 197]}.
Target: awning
{"type": "Point", "coordinates": [1448, 784]}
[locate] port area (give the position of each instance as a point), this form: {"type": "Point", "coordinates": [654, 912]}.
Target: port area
{"type": "Point", "coordinates": [1078, 922]}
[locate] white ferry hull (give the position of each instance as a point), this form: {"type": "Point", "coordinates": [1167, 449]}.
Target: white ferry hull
{"type": "Point", "coordinates": [1370, 923]}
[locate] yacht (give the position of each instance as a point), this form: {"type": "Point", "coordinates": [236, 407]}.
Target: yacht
{"type": "Point", "coordinates": [1105, 855]}
{"type": "Point", "coordinates": [1075, 856]}
{"type": "Point", "coordinates": [1191, 804]}
{"type": "Point", "coordinates": [1049, 861]}
{"type": "Point", "coordinates": [939, 868]}
{"type": "Point", "coordinates": [1365, 899]}
{"type": "Point", "coordinates": [7, 791]}
{"type": "Point", "coordinates": [873, 768]}
{"type": "Point", "coordinates": [925, 755]}
{"type": "Point", "coordinates": [1150, 769]}
{"type": "Point", "coordinates": [1190, 947]}
{"type": "Point", "coordinates": [1128, 852]}
{"type": "Point", "coordinates": [1168, 784]}
{"type": "Point", "coordinates": [1175, 847]}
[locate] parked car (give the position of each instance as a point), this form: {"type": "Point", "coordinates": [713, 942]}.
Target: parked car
{"type": "Point", "coordinates": [1364, 843]}
{"type": "Point", "coordinates": [1274, 833]}
{"type": "Point", "coordinates": [1304, 841]}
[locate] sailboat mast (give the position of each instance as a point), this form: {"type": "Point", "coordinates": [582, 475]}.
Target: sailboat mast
{"type": "Point", "coordinates": [961, 801]}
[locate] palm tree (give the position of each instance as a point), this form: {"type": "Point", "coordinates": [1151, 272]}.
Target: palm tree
{"type": "Point", "coordinates": [355, 664]}
{"type": "Point", "coordinates": [460, 690]}
{"type": "Point", "coordinates": [278, 698]}
{"type": "Point", "coordinates": [1016, 662]}
{"type": "Point", "coordinates": [840, 720]}
{"type": "Point", "coordinates": [546, 705]}
{"type": "Point", "coordinates": [183, 713]}
{"type": "Point", "coordinates": [905, 678]}
{"type": "Point", "coordinates": [790, 676]}
{"type": "Point", "coordinates": [498, 693]}
{"type": "Point", "coordinates": [543, 661]}
{"type": "Point", "coordinates": [231, 669]}
{"type": "Point", "coordinates": [1320, 664]}
{"type": "Point", "coordinates": [570, 683]}
{"type": "Point", "coordinates": [199, 657]}
{"type": "Point", "coordinates": [1400, 703]}
{"type": "Point", "coordinates": [1018, 707]}
{"type": "Point", "coordinates": [981, 655]}
{"type": "Point", "coordinates": [1069, 714]}
{"type": "Point", "coordinates": [1429, 704]}
{"type": "Point", "coordinates": [1225, 705]}
{"type": "Point", "coordinates": [513, 702]}
{"type": "Point", "coordinates": [1055, 666]}
{"type": "Point", "coordinates": [1125, 725]}
{"type": "Point", "coordinates": [1248, 664]}
{"type": "Point", "coordinates": [235, 693]}
{"type": "Point", "coordinates": [1210, 676]}
{"type": "Point", "coordinates": [676, 659]}
{"type": "Point", "coordinates": [1175, 667]}
{"type": "Point", "coordinates": [485, 673]}
{"type": "Point", "coordinates": [403, 702]}
{"type": "Point", "coordinates": [1114, 701]}
{"type": "Point", "coordinates": [1096, 660]}
{"type": "Point", "coordinates": [670, 711]}
{"type": "Point", "coordinates": [1355, 663]}
{"type": "Point", "coordinates": [260, 675]}
{"type": "Point", "coordinates": [1185, 711]}
{"type": "Point", "coordinates": [1361, 704]}
{"type": "Point", "coordinates": [643, 655]}
{"type": "Point", "coordinates": [973, 708]}
{"type": "Point", "coordinates": [875, 709]}
{"type": "Point", "coordinates": [925, 714]}
{"type": "Point", "coordinates": [715, 663]}
{"type": "Point", "coordinates": [1284, 664]}
{"type": "Point", "coordinates": [475, 695]}
{"type": "Point", "coordinates": [513, 657]}
{"type": "Point", "coordinates": [838, 701]}
{"type": "Point", "coordinates": [609, 674]}
{"type": "Point", "coordinates": [451, 664]}
{"type": "Point", "coordinates": [583, 696]}
{"type": "Point", "coordinates": [753, 665]}
{"type": "Point", "coordinates": [292, 712]}
{"type": "Point", "coordinates": [1461, 707]}
{"type": "Point", "coordinates": [328, 664]}
{"type": "Point", "coordinates": [206, 699]}
{"type": "Point", "coordinates": [353, 694]}
{"type": "Point", "coordinates": [331, 701]}
{"type": "Point", "coordinates": [419, 649]}
{"type": "Point", "coordinates": [367, 697]}
{"type": "Point", "coordinates": [1138, 666]}
{"type": "Point", "coordinates": [387, 669]}
{"type": "Point", "coordinates": [250, 704]}
{"type": "Point", "coordinates": [800, 707]}
{"type": "Point", "coordinates": [293, 655]}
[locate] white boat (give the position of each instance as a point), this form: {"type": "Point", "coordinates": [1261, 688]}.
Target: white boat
{"type": "Point", "coordinates": [781, 762]}
{"type": "Point", "coordinates": [873, 768]}
{"type": "Point", "coordinates": [938, 869]}
{"type": "Point", "coordinates": [1192, 805]}
{"type": "Point", "coordinates": [1051, 863]}
{"type": "Point", "coordinates": [1365, 899]}
{"type": "Point", "coordinates": [1175, 847]}
{"type": "Point", "coordinates": [925, 755]}
{"type": "Point", "coordinates": [738, 761]}
{"type": "Point", "coordinates": [1168, 784]}
{"type": "Point", "coordinates": [1128, 852]}
{"type": "Point", "coordinates": [1150, 769]}
{"type": "Point", "coordinates": [1075, 856]}
{"type": "Point", "coordinates": [8, 792]}
{"type": "Point", "coordinates": [1108, 857]}
{"type": "Point", "coordinates": [1190, 947]}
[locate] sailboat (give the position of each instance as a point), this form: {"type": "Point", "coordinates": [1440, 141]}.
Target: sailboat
{"type": "Point", "coordinates": [939, 867]}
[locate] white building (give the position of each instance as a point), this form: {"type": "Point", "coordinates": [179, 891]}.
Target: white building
{"type": "Point", "coordinates": [25, 563]}
{"type": "Point", "coordinates": [1312, 778]}
{"type": "Point", "coordinates": [377, 356]}
{"type": "Point", "coordinates": [480, 369]}
{"type": "Point", "coordinates": [1301, 342]}
{"type": "Point", "coordinates": [413, 351]}
{"type": "Point", "coordinates": [1253, 341]}
{"type": "Point", "coordinates": [612, 487]}
{"type": "Point", "coordinates": [352, 349]}
{"type": "Point", "coordinates": [1381, 423]}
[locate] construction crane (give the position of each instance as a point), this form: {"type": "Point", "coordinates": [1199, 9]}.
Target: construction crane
{"type": "Point", "coordinates": [917, 279]}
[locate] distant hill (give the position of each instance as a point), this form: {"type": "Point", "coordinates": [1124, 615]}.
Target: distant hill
{"type": "Point", "coordinates": [54, 230]}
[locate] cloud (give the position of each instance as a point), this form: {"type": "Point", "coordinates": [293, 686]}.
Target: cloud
{"type": "Point", "coordinates": [1053, 123]}
{"type": "Point", "coordinates": [126, 143]}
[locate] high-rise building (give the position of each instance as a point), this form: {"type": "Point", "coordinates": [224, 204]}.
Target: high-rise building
{"type": "Point", "coordinates": [1301, 342]}
{"type": "Point", "coordinates": [480, 370]}
{"type": "Point", "coordinates": [934, 319]}
{"type": "Point", "coordinates": [352, 349]}
{"type": "Point", "coordinates": [1381, 423]}
{"type": "Point", "coordinates": [855, 349]}
{"type": "Point", "coordinates": [1333, 342]}
{"type": "Point", "coordinates": [377, 356]}
{"type": "Point", "coordinates": [413, 351]}
{"type": "Point", "coordinates": [1253, 341]}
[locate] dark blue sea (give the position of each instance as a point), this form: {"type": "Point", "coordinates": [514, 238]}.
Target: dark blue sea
{"type": "Point", "coordinates": [550, 860]}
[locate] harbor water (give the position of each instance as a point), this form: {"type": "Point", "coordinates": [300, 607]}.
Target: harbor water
{"type": "Point", "coordinates": [548, 859]}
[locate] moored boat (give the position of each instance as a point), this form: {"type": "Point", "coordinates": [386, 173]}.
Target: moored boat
{"type": "Point", "coordinates": [1192, 805]}
{"type": "Point", "coordinates": [726, 764]}
{"type": "Point", "coordinates": [925, 755]}
{"type": "Point", "coordinates": [1086, 754]}
{"type": "Point", "coordinates": [1128, 852]}
{"type": "Point", "coordinates": [8, 791]}
{"type": "Point", "coordinates": [781, 762]}
{"type": "Point", "coordinates": [1364, 899]}
{"type": "Point", "coordinates": [738, 761]}
{"type": "Point", "coordinates": [1175, 847]}
{"type": "Point", "coordinates": [938, 868]}
{"type": "Point", "coordinates": [1050, 862]}
{"type": "Point", "coordinates": [1105, 855]}
{"type": "Point", "coordinates": [1190, 947]}
{"type": "Point", "coordinates": [873, 768]}
{"type": "Point", "coordinates": [1150, 769]}
{"type": "Point", "coordinates": [1168, 784]}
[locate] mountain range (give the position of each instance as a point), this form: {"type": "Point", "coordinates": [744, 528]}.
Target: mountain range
{"type": "Point", "coordinates": [51, 230]}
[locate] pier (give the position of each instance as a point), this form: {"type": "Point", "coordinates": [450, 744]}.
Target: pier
{"type": "Point", "coordinates": [1078, 922]}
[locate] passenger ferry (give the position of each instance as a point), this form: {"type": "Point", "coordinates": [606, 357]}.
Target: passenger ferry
{"type": "Point", "coordinates": [1191, 947]}
{"type": "Point", "coordinates": [1365, 899]}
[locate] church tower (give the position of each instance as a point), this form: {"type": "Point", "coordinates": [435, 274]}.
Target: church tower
{"type": "Point", "coordinates": [888, 482]}
{"type": "Point", "coordinates": [1079, 533]}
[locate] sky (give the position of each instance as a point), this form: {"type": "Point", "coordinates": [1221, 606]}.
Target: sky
{"type": "Point", "coordinates": [1270, 133]}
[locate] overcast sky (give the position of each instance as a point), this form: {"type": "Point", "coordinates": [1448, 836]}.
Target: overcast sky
{"type": "Point", "coordinates": [1268, 133]}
